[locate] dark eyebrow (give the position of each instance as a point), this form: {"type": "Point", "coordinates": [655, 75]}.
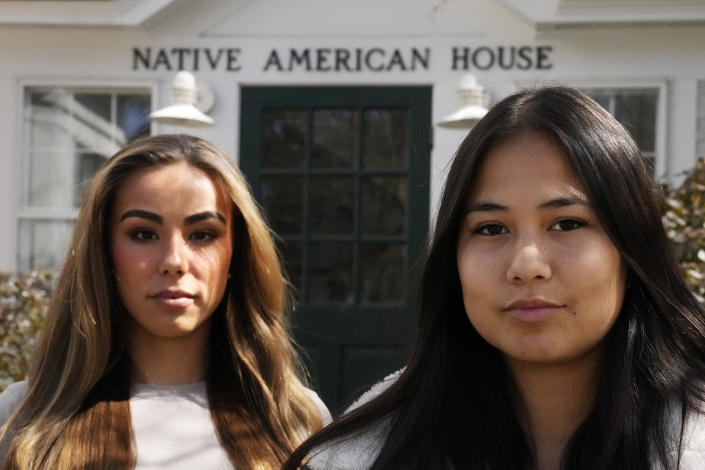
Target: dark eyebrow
{"type": "Point", "coordinates": [565, 201]}
{"type": "Point", "coordinates": [192, 219]}
{"type": "Point", "coordinates": [484, 206]}
{"type": "Point", "coordinates": [143, 215]}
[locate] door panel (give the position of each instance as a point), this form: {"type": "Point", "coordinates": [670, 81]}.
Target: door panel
{"type": "Point", "coordinates": [342, 174]}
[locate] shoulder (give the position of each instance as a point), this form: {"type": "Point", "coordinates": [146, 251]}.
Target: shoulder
{"type": "Point", "coordinates": [323, 412]}
{"type": "Point", "coordinates": [359, 451]}
{"type": "Point", "coordinates": [376, 390]}
{"type": "Point", "coordinates": [10, 399]}
{"type": "Point", "coordinates": [693, 451]}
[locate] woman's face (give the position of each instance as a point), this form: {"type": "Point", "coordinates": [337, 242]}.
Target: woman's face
{"type": "Point", "coordinates": [541, 280]}
{"type": "Point", "coordinates": [171, 243]}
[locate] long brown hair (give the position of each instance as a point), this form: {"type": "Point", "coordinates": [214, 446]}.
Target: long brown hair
{"type": "Point", "coordinates": [76, 412]}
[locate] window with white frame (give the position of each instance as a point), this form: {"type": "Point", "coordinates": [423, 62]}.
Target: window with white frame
{"type": "Point", "coordinates": [68, 133]}
{"type": "Point", "coordinates": [637, 110]}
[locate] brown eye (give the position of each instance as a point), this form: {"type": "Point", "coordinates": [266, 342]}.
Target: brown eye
{"type": "Point", "coordinates": [567, 225]}
{"type": "Point", "coordinates": [202, 236]}
{"type": "Point", "coordinates": [491, 230]}
{"type": "Point", "coordinates": [143, 235]}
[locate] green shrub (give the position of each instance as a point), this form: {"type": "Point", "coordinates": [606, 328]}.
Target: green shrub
{"type": "Point", "coordinates": [23, 304]}
{"type": "Point", "coordinates": [684, 219]}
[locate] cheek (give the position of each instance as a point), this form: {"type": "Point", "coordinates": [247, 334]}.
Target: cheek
{"type": "Point", "coordinates": [480, 272]}
{"type": "Point", "coordinates": [599, 269]}
{"type": "Point", "coordinates": [216, 263]}
{"type": "Point", "coordinates": [478, 275]}
{"type": "Point", "coordinates": [129, 261]}
{"type": "Point", "coordinates": [597, 286]}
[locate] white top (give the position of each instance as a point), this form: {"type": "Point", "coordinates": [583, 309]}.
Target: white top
{"type": "Point", "coordinates": [171, 423]}
{"type": "Point", "coordinates": [360, 452]}
{"type": "Point", "coordinates": [357, 452]}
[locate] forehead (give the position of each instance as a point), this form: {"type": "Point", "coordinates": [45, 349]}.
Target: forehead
{"type": "Point", "coordinates": [174, 186]}
{"type": "Point", "coordinates": [530, 164]}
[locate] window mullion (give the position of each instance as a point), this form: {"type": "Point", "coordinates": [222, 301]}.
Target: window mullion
{"type": "Point", "coordinates": [357, 230]}
{"type": "Point", "coordinates": [308, 150]}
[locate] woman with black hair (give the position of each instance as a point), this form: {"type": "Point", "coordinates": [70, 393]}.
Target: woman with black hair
{"type": "Point", "coordinates": [555, 330]}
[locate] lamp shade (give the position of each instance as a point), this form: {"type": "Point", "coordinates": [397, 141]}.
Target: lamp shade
{"type": "Point", "coordinates": [182, 110]}
{"type": "Point", "coordinates": [472, 105]}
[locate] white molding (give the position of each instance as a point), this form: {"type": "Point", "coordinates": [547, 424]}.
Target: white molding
{"type": "Point", "coordinates": [557, 13]}
{"type": "Point", "coordinates": [85, 13]}
{"type": "Point", "coordinates": [48, 213]}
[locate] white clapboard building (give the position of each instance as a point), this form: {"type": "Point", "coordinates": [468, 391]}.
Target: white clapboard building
{"type": "Point", "coordinates": [332, 110]}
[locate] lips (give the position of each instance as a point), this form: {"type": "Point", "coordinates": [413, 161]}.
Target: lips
{"type": "Point", "coordinates": [532, 309]}
{"type": "Point", "coordinates": [172, 294]}
{"type": "Point", "coordinates": [531, 302]}
{"type": "Point", "coordinates": [173, 298]}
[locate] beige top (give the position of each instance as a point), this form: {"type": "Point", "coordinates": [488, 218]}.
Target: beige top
{"type": "Point", "coordinates": [171, 423]}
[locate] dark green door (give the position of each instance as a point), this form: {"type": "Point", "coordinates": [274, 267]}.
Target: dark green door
{"type": "Point", "coordinates": [342, 174]}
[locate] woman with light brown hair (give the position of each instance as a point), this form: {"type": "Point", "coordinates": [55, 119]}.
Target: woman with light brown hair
{"type": "Point", "coordinates": [166, 342]}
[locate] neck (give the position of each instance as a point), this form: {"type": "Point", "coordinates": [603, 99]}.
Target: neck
{"type": "Point", "coordinates": [168, 361]}
{"type": "Point", "coordinates": [557, 399]}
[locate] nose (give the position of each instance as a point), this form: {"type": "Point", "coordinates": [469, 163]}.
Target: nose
{"type": "Point", "coordinates": [529, 263]}
{"type": "Point", "coordinates": [173, 257]}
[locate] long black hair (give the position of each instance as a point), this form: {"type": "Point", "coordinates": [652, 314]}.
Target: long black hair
{"type": "Point", "coordinates": [454, 402]}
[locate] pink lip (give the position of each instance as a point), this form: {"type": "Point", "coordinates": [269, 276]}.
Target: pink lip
{"type": "Point", "coordinates": [173, 298]}
{"type": "Point", "coordinates": [532, 309]}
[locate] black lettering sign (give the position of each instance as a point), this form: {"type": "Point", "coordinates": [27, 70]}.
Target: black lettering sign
{"type": "Point", "coordinates": [396, 61]}
{"type": "Point", "coordinates": [322, 60]}
{"type": "Point", "coordinates": [301, 58]}
{"type": "Point", "coordinates": [182, 58]}
{"type": "Point", "coordinates": [461, 58]}
{"type": "Point", "coordinates": [339, 59]}
{"type": "Point", "coordinates": [141, 58]}
{"type": "Point", "coordinates": [542, 59]}
{"type": "Point", "coordinates": [162, 59]}
{"type": "Point", "coordinates": [213, 61]}
{"type": "Point", "coordinates": [377, 66]}
{"type": "Point", "coordinates": [483, 58]}
{"type": "Point", "coordinates": [179, 52]}
{"type": "Point", "coordinates": [504, 57]}
{"type": "Point", "coordinates": [233, 58]}
{"type": "Point", "coordinates": [358, 59]}
{"type": "Point", "coordinates": [273, 60]}
{"type": "Point", "coordinates": [418, 58]}
{"type": "Point", "coordinates": [524, 62]}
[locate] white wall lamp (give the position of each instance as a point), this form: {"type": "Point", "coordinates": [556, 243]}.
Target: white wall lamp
{"type": "Point", "coordinates": [473, 100]}
{"type": "Point", "coordinates": [187, 104]}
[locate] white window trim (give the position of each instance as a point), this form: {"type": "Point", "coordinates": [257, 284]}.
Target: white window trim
{"type": "Point", "coordinates": [661, 167]}
{"type": "Point", "coordinates": [25, 212]}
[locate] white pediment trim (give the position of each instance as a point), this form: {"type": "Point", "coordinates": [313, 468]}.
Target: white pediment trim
{"type": "Point", "coordinates": [551, 13]}
{"type": "Point", "coordinates": [83, 13]}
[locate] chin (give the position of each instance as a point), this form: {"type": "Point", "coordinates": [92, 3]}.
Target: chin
{"type": "Point", "coordinates": [547, 357]}
{"type": "Point", "coordinates": [176, 328]}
